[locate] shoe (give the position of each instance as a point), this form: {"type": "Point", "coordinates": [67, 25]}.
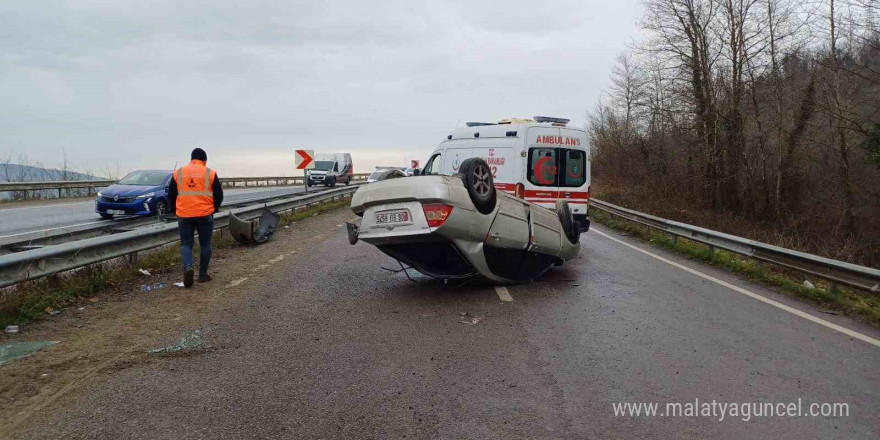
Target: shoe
{"type": "Point", "coordinates": [188, 275]}
{"type": "Point", "coordinates": [204, 278]}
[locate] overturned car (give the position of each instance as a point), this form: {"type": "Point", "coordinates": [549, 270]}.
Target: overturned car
{"type": "Point", "coordinates": [460, 226]}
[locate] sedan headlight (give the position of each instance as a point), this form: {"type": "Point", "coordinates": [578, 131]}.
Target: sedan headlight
{"type": "Point", "coordinates": [145, 196]}
{"type": "Point", "coordinates": [99, 194]}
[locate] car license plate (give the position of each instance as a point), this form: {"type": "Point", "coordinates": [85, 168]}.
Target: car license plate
{"type": "Point", "coordinates": [115, 211]}
{"type": "Point", "coordinates": [386, 217]}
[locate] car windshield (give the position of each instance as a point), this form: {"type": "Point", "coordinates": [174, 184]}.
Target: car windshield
{"type": "Point", "coordinates": [150, 178]}
{"type": "Point", "coordinates": [324, 165]}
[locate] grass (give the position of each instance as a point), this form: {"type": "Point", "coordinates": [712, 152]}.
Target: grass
{"type": "Point", "coordinates": [864, 306]}
{"type": "Point", "coordinates": [29, 301]}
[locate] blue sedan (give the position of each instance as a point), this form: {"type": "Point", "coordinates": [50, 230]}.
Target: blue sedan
{"type": "Point", "coordinates": [139, 193]}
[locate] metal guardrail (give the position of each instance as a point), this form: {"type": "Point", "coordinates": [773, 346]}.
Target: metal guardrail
{"type": "Point", "coordinates": [55, 184]}
{"type": "Point", "coordinates": [42, 262]}
{"type": "Point", "coordinates": [54, 236]}
{"type": "Point", "coordinates": [230, 182]}
{"type": "Point", "coordinates": [834, 271]}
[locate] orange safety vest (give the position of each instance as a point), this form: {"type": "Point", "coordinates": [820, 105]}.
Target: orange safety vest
{"type": "Point", "coordinates": [194, 195]}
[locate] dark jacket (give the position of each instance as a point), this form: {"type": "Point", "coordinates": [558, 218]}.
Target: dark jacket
{"type": "Point", "coordinates": [216, 189]}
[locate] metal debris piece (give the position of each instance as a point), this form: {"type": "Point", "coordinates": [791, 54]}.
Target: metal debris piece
{"type": "Point", "coordinates": [467, 318]}
{"type": "Point", "coordinates": [189, 340]}
{"type": "Point", "coordinates": [254, 231]}
{"type": "Point", "coordinates": [17, 350]}
{"type": "Point", "coordinates": [144, 271]}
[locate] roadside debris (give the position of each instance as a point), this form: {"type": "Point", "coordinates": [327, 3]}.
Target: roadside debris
{"type": "Point", "coordinates": [190, 339]}
{"type": "Point", "coordinates": [254, 231]}
{"type": "Point", "coordinates": [11, 329]}
{"type": "Point", "coordinates": [53, 312]}
{"type": "Point", "coordinates": [467, 318]}
{"type": "Point", "coordinates": [179, 284]}
{"type": "Point", "coordinates": [17, 350]}
{"type": "Point", "coordinates": [808, 284]}
{"type": "Point", "coordinates": [146, 288]}
{"type": "Point", "coordinates": [144, 271]}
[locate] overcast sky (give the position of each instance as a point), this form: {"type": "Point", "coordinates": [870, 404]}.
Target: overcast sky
{"type": "Point", "coordinates": [139, 84]}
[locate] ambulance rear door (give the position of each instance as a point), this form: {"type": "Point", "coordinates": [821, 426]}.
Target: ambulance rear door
{"type": "Point", "coordinates": [541, 166]}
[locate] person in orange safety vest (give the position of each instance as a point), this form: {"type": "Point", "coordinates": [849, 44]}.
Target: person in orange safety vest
{"type": "Point", "coordinates": [196, 194]}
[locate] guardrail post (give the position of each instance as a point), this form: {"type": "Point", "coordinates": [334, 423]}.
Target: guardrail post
{"type": "Point", "coordinates": [674, 240]}
{"type": "Point", "coordinates": [833, 288]}
{"type": "Point", "coordinates": [133, 258]}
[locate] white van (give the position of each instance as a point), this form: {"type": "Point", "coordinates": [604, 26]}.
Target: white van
{"type": "Point", "coordinates": [541, 160]}
{"type": "Point", "coordinates": [330, 169]}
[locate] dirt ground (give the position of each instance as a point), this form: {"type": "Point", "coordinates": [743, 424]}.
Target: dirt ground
{"type": "Point", "coordinates": [117, 329]}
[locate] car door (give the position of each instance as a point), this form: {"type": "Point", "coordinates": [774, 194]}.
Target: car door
{"type": "Point", "coordinates": [506, 243]}
{"type": "Point", "coordinates": [456, 153]}
{"type": "Point", "coordinates": [498, 154]}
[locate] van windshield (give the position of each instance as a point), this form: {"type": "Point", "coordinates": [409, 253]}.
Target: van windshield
{"type": "Point", "coordinates": [324, 165]}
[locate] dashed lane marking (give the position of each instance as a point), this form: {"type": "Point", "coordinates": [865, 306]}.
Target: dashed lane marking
{"type": "Point", "coordinates": [503, 293]}
{"type": "Point", "coordinates": [792, 310]}
{"type": "Point", "coordinates": [237, 282]}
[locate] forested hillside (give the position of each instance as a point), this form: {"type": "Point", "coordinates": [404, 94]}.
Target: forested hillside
{"type": "Point", "coordinates": [756, 117]}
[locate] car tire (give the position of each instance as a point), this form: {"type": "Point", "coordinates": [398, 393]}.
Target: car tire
{"type": "Point", "coordinates": [566, 219]}
{"type": "Point", "coordinates": [161, 208]}
{"type": "Point", "coordinates": [477, 177]}
{"type": "Point", "coordinates": [332, 183]}
{"type": "Point", "coordinates": [105, 216]}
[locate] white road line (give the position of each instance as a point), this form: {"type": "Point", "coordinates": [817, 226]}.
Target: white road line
{"type": "Point", "coordinates": [503, 293]}
{"type": "Point", "coordinates": [57, 227]}
{"type": "Point", "coordinates": [792, 310]}
{"type": "Point", "coordinates": [90, 202]}
{"type": "Point", "coordinates": [237, 282]}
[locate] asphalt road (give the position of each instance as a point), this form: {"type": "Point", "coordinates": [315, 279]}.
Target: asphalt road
{"type": "Point", "coordinates": [330, 345]}
{"type": "Point", "coordinates": [18, 220]}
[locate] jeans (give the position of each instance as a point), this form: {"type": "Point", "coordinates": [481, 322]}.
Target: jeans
{"type": "Point", "coordinates": [188, 227]}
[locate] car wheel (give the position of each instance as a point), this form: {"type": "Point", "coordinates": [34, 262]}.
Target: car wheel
{"type": "Point", "coordinates": [332, 183]}
{"type": "Point", "coordinates": [106, 216]}
{"type": "Point", "coordinates": [477, 178]}
{"type": "Point", "coordinates": [566, 219]}
{"type": "Point", "coordinates": [161, 208]}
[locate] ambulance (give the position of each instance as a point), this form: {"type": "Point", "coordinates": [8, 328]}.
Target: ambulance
{"type": "Point", "coordinates": [541, 160]}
